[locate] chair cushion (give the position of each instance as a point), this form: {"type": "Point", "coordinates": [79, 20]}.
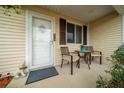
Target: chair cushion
{"type": "Point", "coordinates": [68, 58]}
{"type": "Point", "coordinates": [81, 54]}
{"type": "Point", "coordinates": [65, 57]}
{"type": "Point", "coordinates": [75, 58]}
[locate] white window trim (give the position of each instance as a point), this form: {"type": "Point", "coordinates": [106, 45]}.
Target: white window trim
{"type": "Point", "coordinates": [81, 34]}
{"type": "Point", "coordinates": [75, 33]}
{"type": "Point", "coordinates": [67, 21]}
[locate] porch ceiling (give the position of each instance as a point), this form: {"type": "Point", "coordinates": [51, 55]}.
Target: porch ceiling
{"type": "Point", "coordinates": [85, 13]}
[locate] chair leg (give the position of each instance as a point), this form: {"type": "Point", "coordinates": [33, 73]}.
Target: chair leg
{"type": "Point", "coordinates": [71, 65]}
{"type": "Point", "coordinates": [92, 58]}
{"type": "Point", "coordinates": [68, 62]}
{"type": "Point", "coordinates": [79, 63]}
{"type": "Point", "coordinates": [85, 59]}
{"type": "Point", "coordinates": [62, 63]}
{"type": "Point", "coordinates": [101, 58]}
{"type": "Point", "coordinates": [89, 62]}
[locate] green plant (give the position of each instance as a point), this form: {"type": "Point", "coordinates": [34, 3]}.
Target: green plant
{"type": "Point", "coordinates": [118, 55]}
{"type": "Point", "coordinates": [8, 9]}
{"type": "Point", "coordinates": [117, 78]}
{"type": "Point", "coordinates": [116, 71]}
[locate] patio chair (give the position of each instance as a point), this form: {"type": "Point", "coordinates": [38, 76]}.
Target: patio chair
{"type": "Point", "coordinates": [69, 57]}
{"type": "Point", "coordinates": [94, 53]}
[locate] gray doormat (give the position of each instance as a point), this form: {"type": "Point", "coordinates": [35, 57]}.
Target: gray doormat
{"type": "Point", "coordinates": [41, 74]}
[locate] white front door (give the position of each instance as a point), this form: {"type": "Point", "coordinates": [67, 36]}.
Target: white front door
{"type": "Point", "coordinates": [41, 45]}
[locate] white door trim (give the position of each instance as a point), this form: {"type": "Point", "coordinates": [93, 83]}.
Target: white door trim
{"type": "Point", "coordinates": [28, 59]}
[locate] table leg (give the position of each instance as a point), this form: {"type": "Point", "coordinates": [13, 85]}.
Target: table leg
{"type": "Point", "coordinates": [90, 58]}
{"type": "Point", "coordinates": [89, 61]}
{"type": "Point", "coordinates": [85, 58]}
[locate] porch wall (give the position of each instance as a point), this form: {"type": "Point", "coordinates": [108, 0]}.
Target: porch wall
{"type": "Point", "coordinates": [105, 34]}
{"type": "Point", "coordinates": [12, 41]}
{"type": "Point", "coordinates": [12, 38]}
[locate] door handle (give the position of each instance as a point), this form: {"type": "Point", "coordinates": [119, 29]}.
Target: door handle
{"type": "Point", "coordinates": [54, 36]}
{"type": "Point", "coordinates": [51, 42]}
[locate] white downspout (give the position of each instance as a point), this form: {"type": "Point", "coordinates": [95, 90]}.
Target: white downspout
{"type": "Point", "coordinates": [122, 28]}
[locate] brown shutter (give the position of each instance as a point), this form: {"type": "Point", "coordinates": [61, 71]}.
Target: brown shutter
{"type": "Point", "coordinates": [85, 35]}
{"type": "Point", "coordinates": [62, 31]}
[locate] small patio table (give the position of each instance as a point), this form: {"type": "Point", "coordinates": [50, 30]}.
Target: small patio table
{"type": "Point", "coordinates": [87, 57]}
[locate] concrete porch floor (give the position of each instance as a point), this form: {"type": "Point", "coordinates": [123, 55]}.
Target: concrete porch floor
{"type": "Point", "coordinates": [82, 78]}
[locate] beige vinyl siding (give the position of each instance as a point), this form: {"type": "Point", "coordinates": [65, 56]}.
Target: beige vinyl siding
{"type": "Point", "coordinates": [12, 41]}
{"type": "Point", "coordinates": [105, 34]}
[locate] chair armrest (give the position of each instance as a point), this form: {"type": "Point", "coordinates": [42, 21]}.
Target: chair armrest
{"type": "Point", "coordinates": [97, 52]}
{"type": "Point", "coordinates": [74, 52]}
{"type": "Point", "coordinates": [67, 55]}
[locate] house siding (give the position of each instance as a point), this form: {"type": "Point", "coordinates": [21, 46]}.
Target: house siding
{"type": "Point", "coordinates": [12, 41]}
{"type": "Point", "coordinates": [106, 34]}
{"type": "Point", "coordinates": [13, 38]}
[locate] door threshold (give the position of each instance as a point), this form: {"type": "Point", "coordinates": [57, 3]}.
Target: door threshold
{"type": "Point", "coordinates": [32, 69]}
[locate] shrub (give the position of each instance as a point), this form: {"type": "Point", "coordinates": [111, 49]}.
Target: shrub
{"type": "Point", "coordinates": [118, 55]}
{"type": "Point", "coordinates": [116, 71]}
{"type": "Point", "coordinates": [7, 9]}
{"type": "Point", "coordinates": [117, 78]}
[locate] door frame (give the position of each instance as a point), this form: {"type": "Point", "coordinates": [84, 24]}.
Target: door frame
{"type": "Point", "coordinates": [28, 58]}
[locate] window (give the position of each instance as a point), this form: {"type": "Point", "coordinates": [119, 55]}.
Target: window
{"type": "Point", "coordinates": [78, 34]}
{"type": "Point", "coordinates": [70, 33]}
